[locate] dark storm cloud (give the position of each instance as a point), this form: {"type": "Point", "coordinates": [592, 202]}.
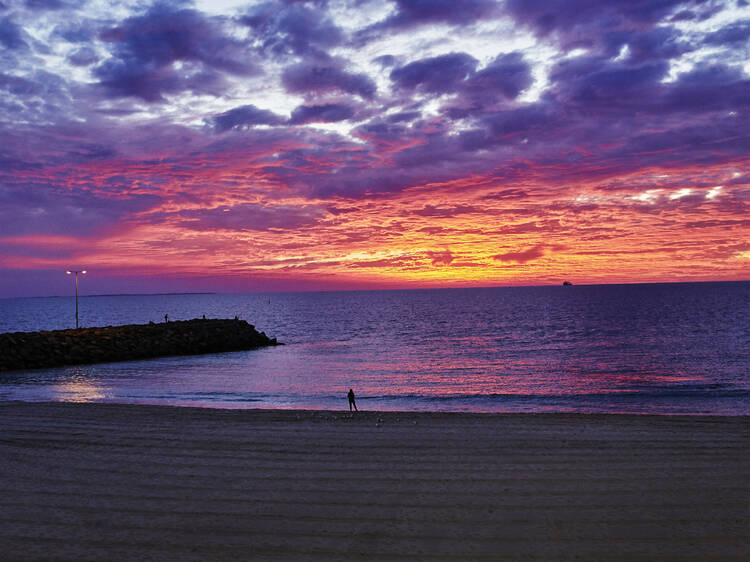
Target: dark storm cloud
{"type": "Point", "coordinates": [146, 46]}
{"type": "Point", "coordinates": [304, 78]}
{"type": "Point", "coordinates": [285, 29]}
{"type": "Point", "coordinates": [326, 113]}
{"type": "Point", "coordinates": [437, 75]}
{"type": "Point", "coordinates": [245, 116]}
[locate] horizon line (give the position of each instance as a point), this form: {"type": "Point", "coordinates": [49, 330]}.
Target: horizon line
{"type": "Point", "coordinates": [373, 290]}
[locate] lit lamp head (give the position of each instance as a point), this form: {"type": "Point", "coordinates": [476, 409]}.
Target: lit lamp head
{"type": "Point", "coordinates": [68, 272]}
{"type": "Point", "coordinates": [84, 271]}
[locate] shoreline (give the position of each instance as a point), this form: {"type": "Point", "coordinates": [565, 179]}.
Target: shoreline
{"type": "Point", "coordinates": [93, 481]}
{"type": "Point", "coordinates": [343, 410]}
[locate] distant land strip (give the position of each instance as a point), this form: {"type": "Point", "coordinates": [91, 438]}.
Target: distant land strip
{"type": "Point", "coordinates": [57, 348]}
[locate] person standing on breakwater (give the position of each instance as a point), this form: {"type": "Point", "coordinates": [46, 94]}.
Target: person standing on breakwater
{"type": "Point", "coordinates": [351, 401]}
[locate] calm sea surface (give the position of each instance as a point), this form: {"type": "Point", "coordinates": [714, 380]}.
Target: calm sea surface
{"type": "Point", "coordinates": [657, 348]}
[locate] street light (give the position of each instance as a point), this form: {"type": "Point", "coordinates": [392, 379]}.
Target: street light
{"type": "Point", "coordinates": [82, 272]}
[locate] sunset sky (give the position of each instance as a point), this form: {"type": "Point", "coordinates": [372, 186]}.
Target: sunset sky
{"type": "Point", "coordinates": [259, 146]}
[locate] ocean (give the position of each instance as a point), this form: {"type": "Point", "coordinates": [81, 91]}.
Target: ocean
{"type": "Point", "coordinates": [680, 348]}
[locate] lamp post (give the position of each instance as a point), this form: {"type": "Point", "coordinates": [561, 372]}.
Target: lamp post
{"type": "Point", "coordinates": [82, 272]}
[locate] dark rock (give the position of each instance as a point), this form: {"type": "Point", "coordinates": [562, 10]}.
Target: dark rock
{"type": "Point", "coordinates": [27, 350]}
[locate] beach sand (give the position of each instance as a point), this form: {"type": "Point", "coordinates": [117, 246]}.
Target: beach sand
{"type": "Point", "coordinates": [116, 482]}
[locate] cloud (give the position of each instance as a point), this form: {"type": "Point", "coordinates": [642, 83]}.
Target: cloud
{"type": "Point", "coordinates": [437, 75]}
{"type": "Point", "coordinates": [48, 4]}
{"type": "Point", "coordinates": [245, 116]}
{"type": "Point", "coordinates": [11, 35]}
{"type": "Point", "coordinates": [737, 32]}
{"type": "Point", "coordinates": [446, 212]}
{"type": "Point", "coordinates": [522, 256]}
{"type": "Point", "coordinates": [412, 13]}
{"type": "Point", "coordinates": [403, 116]}
{"type": "Point", "coordinates": [292, 29]}
{"type": "Point", "coordinates": [250, 217]}
{"type": "Point", "coordinates": [661, 43]}
{"type": "Point", "coordinates": [85, 56]}
{"type": "Point", "coordinates": [581, 23]}
{"type": "Point", "coordinates": [146, 46]}
{"type": "Point", "coordinates": [512, 193]}
{"type": "Point", "coordinates": [325, 113]}
{"type": "Point", "coordinates": [428, 158]}
{"type": "Point", "coordinates": [306, 78]}
{"type": "Point", "coordinates": [441, 258]}
{"type": "Point", "coordinates": [507, 75]}
{"type": "Point", "coordinates": [35, 208]}
{"type": "Point", "coordinates": [597, 82]}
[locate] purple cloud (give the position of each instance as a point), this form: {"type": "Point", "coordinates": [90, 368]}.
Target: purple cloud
{"type": "Point", "coordinates": [11, 35]}
{"type": "Point", "coordinates": [437, 75]}
{"type": "Point", "coordinates": [656, 44]}
{"type": "Point", "coordinates": [326, 113]}
{"type": "Point", "coordinates": [245, 116]}
{"type": "Point", "coordinates": [596, 82]}
{"type": "Point", "coordinates": [737, 32]}
{"type": "Point", "coordinates": [604, 26]}
{"type": "Point", "coordinates": [84, 56]}
{"type": "Point", "coordinates": [39, 208]}
{"type": "Point", "coordinates": [47, 4]}
{"type": "Point", "coordinates": [306, 78]}
{"type": "Point", "coordinates": [411, 13]}
{"type": "Point", "coordinates": [546, 16]}
{"type": "Point", "coordinates": [292, 28]}
{"type": "Point", "coordinates": [445, 212]}
{"type": "Point", "coordinates": [508, 75]}
{"type": "Point", "coordinates": [76, 31]}
{"type": "Point", "coordinates": [250, 217]}
{"type": "Point", "coordinates": [146, 46]}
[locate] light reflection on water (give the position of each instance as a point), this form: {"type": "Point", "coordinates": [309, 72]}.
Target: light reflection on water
{"type": "Point", "coordinates": [682, 348]}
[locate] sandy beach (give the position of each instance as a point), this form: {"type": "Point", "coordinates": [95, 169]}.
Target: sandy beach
{"type": "Point", "coordinates": [96, 482]}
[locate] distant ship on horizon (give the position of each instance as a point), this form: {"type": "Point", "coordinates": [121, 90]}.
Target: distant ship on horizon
{"type": "Point", "coordinates": [566, 283]}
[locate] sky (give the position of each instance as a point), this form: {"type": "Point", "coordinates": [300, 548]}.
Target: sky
{"type": "Point", "coordinates": [355, 144]}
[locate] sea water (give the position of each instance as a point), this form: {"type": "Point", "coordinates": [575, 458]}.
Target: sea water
{"type": "Point", "coordinates": [680, 348]}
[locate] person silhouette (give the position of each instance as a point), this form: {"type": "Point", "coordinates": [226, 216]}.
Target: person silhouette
{"type": "Point", "coordinates": [351, 401]}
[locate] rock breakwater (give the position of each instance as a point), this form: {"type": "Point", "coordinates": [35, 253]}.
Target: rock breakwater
{"type": "Point", "coordinates": [34, 350]}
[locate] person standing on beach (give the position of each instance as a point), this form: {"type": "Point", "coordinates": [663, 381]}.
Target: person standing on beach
{"type": "Point", "coordinates": [351, 401]}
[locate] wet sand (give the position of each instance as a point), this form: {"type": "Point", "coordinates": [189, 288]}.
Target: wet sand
{"type": "Point", "coordinates": [95, 482]}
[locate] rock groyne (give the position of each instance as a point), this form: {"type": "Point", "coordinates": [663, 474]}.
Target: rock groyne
{"type": "Point", "coordinates": [34, 350]}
